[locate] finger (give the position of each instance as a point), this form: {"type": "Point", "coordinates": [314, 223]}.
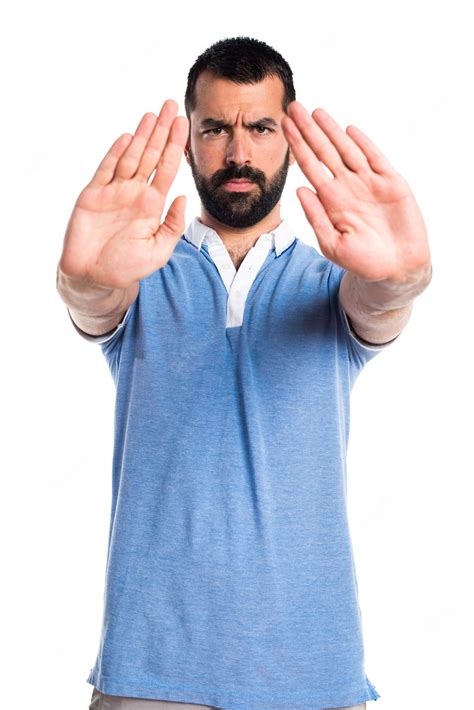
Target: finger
{"type": "Point", "coordinates": [316, 138]}
{"type": "Point", "coordinates": [318, 219]}
{"type": "Point", "coordinates": [172, 229]}
{"type": "Point", "coordinates": [174, 223]}
{"type": "Point", "coordinates": [350, 153]}
{"type": "Point", "coordinates": [171, 156]}
{"type": "Point", "coordinates": [377, 161]}
{"type": "Point", "coordinates": [105, 172]}
{"type": "Point", "coordinates": [128, 163]}
{"type": "Point", "coordinates": [309, 163]}
{"type": "Point", "coordinates": [158, 139]}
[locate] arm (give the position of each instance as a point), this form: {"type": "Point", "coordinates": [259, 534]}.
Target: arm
{"type": "Point", "coordinates": [115, 236]}
{"type": "Point", "coordinates": [379, 310]}
{"type": "Point", "coordinates": [96, 310]}
{"type": "Point", "coordinates": [366, 220]}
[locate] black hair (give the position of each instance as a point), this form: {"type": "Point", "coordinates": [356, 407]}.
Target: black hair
{"type": "Point", "coordinates": [243, 60]}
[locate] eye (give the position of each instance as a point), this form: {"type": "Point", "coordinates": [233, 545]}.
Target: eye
{"type": "Point", "coordinates": [260, 130]}
{"type": "Point", "coordinates": [212, 130]}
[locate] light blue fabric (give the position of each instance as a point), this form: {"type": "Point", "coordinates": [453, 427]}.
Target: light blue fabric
{"type": "Point", "coordinates": [230, 578]}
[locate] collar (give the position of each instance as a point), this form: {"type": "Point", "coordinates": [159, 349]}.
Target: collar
{"type": "Point", "coordinates": [281, 237]}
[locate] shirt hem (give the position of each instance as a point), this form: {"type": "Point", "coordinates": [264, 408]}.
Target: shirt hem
{"type": "Point", "coordinates": [229, 700]}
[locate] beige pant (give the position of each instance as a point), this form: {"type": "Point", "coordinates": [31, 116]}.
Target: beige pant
{"type": "Point", "coordinates": [100, 701]}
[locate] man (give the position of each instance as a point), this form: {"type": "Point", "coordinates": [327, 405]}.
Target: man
{"type": "Point", "coordinates": [234, 347]}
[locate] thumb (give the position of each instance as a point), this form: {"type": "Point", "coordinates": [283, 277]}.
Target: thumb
{"type": "Point", "coordinates": [318, 219]}
{"type": "Point", "coordinates": [172, 228]}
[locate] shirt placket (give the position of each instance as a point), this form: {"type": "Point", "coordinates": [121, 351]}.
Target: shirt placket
{"type": "Point", "coordinates": [238, 282]}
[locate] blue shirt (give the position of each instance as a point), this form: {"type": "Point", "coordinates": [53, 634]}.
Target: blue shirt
{"type": "Point", "coordinates": [230, 577]}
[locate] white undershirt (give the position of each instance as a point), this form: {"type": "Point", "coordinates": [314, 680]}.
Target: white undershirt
{"type": "Point", "coordinates": [238, 281]}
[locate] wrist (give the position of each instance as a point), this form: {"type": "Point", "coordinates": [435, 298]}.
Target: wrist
{"type": "Point", "coordinates": [88, 298]}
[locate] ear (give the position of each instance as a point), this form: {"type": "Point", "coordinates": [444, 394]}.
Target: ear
{"type": "Point", "coordinates": [186, 151]}
{"type": "Point", "coordinates": [187, 147]}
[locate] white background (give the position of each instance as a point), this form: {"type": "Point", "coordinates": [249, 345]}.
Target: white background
{"type": "Point", "coordinates": [76, 76]}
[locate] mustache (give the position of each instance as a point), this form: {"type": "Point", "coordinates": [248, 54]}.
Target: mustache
{"type": "Point", "coordinates": [234, 173]}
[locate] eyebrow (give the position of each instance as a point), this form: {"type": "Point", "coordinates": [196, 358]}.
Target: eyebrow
{"type": "Point", "coordinates": [216, 123]}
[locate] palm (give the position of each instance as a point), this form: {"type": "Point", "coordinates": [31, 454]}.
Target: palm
{"type": "Point", "coordinates": [114, 228]}
{"type": "Point", "coordinates": [365, 217]}
{"type": "Point", "coordinates": [114, 236]}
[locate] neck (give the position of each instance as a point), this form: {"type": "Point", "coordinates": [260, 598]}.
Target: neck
{"type": "Point", "coordinates": [234, 238]}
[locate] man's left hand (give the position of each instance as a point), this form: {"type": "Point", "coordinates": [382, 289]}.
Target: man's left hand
{"type": "Point", "coordinates": [365, 218]}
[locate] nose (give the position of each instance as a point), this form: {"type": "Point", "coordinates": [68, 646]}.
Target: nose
{"type": "Point", "coordinates": [238, 149]}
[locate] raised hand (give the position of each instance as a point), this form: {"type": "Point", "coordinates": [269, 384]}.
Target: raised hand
{"type": "Point", "coordinates": [364, 215]}
{"type": "Point", "coordinates": [115, 235]}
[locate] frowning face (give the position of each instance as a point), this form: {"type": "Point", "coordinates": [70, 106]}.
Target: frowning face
{"type": "Point", "coordinates": [237, 151]}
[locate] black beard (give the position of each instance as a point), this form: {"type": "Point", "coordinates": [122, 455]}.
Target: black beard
{"type": "Point", "coordinates": [240, 209]}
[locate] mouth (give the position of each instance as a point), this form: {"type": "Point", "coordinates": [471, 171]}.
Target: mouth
{"type": "Point", "coordinates": [238, 185]}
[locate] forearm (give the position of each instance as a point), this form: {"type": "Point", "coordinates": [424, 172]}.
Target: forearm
{"type": "Point", "coordinates": [379, 310]}
{"type": "Point", "coordinates": [95, 309]}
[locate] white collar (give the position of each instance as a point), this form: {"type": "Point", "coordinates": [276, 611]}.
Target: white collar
{"type": "Point", "coordinates": [281, 237]}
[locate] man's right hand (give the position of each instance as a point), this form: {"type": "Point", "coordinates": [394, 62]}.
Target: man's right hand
{"type": "Point", "coordinates": [115, 236]}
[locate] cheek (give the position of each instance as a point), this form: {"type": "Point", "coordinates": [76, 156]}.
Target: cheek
{"type": "Point", "coordinates": [209, 159]}
{"type": "Point", "coordinates": [273, 155]}
{"type": "Point", "coordinates": [274, 162]}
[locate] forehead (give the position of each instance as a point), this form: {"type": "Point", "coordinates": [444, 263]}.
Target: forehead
{"type": "Point", "coordinates": [216, 97]}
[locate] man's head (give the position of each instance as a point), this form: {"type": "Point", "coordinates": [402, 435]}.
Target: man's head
{"type": "Point", "coordinates": [237, 93]}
